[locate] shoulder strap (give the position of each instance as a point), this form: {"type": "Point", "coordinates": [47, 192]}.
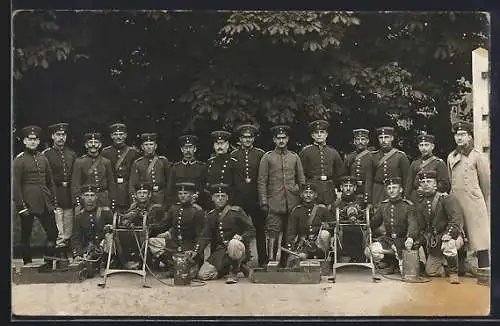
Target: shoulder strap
{"type": "Point", "coordinates": [224, 212]}
{"type": "Point", "coordinates": [98, 214]}
{"type": "Point", "coordinates": [152, 165]}
{"type": "Point", "coordinates": [363, 153]}
{"type": "Point", "coordinates": [94, 165]}
{"type": "Point", "coordinates": [121, 158]}
{"type": "Point", "coordinates": [386, 156]}
{"type": "Point", "coordinates": [426, 162]}
{"type": "Point", "coordinates": [313, 214]}
{"type": "Point", "coordinates": [435, 201]}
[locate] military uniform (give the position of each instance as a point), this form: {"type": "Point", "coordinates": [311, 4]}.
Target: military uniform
{"type": "Point", "coordinates": [34, 194]}
{"type": "Point", "coordinates": [121, 162]}
{"type": "Point", "coordinates": [154, 170]}
{"type": "Point", "coordinates": [246, 195]}
{"type": "Point", "coordinates": [61, 162]}
{"type": "Point", "coordinates": [221, 225]}
{"type": "Point", "coordinates": [359, 165]}
{"type": "Point", "coordinates": [94, 170]}
{"type": "Point", "coordinates": [322, 166]}
{"type": "Point", "coordinates": [422, 164]}
{"type": "Point", "coordinates": [88, 229]}
{"type": "Point", "coordinates": [388, 164]}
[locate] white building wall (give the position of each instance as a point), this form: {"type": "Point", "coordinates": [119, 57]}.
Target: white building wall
{"type": "Point", "coordinates": [480, 99]}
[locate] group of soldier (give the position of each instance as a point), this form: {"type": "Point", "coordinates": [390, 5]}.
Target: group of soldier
{"type": "Point", "coordinates": [282, 199]}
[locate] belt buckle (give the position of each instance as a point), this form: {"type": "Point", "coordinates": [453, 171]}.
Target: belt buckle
{"type": "Point", "coordinates": [155, 188]}
{"type": "Point", "coordinates": [394, 235]}
{"type": "Point", "coordinates": [64, 184]}
{"type": "Point", "coordinates": [179, 237]}
{"type": "Point", "coordinates": [119, 180]}
{"type": "Point", "coordinates": [323, 178]}
{"type": "Point", "coordinates": [179, 249]}
{"type": "Point", "coordinates": [248, 180]}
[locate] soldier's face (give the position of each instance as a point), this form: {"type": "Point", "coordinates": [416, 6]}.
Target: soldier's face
{"type": "Point", "coordinates": [319, 136]}
{"type": "Point", "coordinates": [149, 147]}
{"type": "Point", "coordinates": [361, 142]}
{"type": "Point", "coordinates": [462, 138]}
{"type": "Point", "coordinates": [59, 138]}
{"type": "Point", "coordinates": [143, 195]}
{"type": "Point", "coordinates": [385, 140]}
{"type": "Point", "coordinates": [93, 145]}
{"type": "Point", "coordinates": [221, 146]}
{"type": "Point", "coordinates": [118, 137]}
{"type": "Point", "coordinates": [309, 196]}
{"type": "Point", "coordinates": [425, 148]}
{"type": "Point", "coordinates": [394, 190]}
{"type": "Point", "coordinates": [428, 186]}
{"type": "Point", "coordinates": [31, 142]}
{"type": "Point", "coordinates": [185, 196]}
{"type": "Point", "coordinates": [247, 140]}
{"type": "Point", "coordinates": [220, 199]}
{"type": "Point", "coordinates": [348, 189]}
{"type": "Point", "coordinates": [281, 141]}
{"type": "Point", "coordinates": [89, 200]}
{"type": "Point", "coordinates": [188, 151]}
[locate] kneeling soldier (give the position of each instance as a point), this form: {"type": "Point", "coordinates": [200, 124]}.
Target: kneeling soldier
{"type": "Point", "coordinates": [308, 229]}
{"type": "Point", "coordinates": [179, 230]}
{"type": "Point", "coordinates": [90, 229]}
{"type": "Point", "coordinates": [441, 225]}
{"type": "Point", "coordinates": [230, 230]}
{"type": "Point", "coordinates": [395, 219]}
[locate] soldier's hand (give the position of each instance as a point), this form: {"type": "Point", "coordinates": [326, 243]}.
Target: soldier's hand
{"type": "Point", "coordinates": [165, 235]}
{"type": "Point", "coordinates": [190, 254]}
{"type": "Point", "coordinates": [409, 243]}
{"type": "Point", "coordinates": [238, 237]}
{"type": "Point", "coordinates": [108, 228]}
{"type": "Point", "coordinates": [78, 258]}
{"type": "Point", "coordinates": [264, 208]}
{"type": "Point", "coordinates": [302, 256]}
{"type": "Point", "coordinates": [446, 237]}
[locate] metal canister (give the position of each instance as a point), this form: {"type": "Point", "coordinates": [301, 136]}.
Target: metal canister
{"type": "Point", "coordinates": [181, 269]}
{"type": "Point", "coordinates": [411, 265]}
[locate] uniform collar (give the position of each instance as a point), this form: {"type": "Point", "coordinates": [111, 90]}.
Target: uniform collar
{"type": "Point", "coordinates": [186, 162]}
{"type": "Point", "coordinates": [281, 151]}
{"type": "Point", "coordinates": [247, 148]}
{"type": "Point", "coordinates": [319, 145]}
{"type": "Point", "coordinates": [465, 150]}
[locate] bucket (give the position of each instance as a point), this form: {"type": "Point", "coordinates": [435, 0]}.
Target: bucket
{"type": "Point", "coordinates": [411, 265]}
{"type": "Point", "coordinates": [181, 269]}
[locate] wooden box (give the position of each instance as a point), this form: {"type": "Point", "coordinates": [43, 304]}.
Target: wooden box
{"type": "Point", "coordinates": [36, 273]}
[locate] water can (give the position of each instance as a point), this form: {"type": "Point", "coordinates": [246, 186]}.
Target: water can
{"type": "Point", "coordinates": [181, 269]}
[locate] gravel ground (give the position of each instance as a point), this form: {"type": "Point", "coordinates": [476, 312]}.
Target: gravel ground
{"type": "Point", "coordinates": [354, 294]}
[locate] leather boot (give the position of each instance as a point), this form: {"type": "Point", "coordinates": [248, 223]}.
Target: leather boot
{"type": "Point", "coordinates": [453, 278]}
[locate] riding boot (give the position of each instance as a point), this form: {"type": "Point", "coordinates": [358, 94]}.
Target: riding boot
{"type": "Point", "coordinates": [452, 269]}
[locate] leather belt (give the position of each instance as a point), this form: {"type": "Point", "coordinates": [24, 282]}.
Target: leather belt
{"type": "Point", "coordinates": [64, 184]}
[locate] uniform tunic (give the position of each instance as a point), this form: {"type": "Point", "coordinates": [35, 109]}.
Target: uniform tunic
{"type": "Point", "coordinates": [89, 228]}
{"type": "Point", "coordinates": [188, 171]}
{"type": "Point", "coordinates": [470, 183]}
{"type": "Point", "coordinates": [61, 163]}
{"type": "Point", "coordinates": [247, 164]}
{"type": "Point", "coordinates": [34, 186]}
{"type": "Point", "coordinates": [158, 176]}
{"type": "Point", "coordinates": [359, 165]}
{"type": "Point", "coordinates": [428, 164]}
{"type": "Point", "coordinates": [396, 165]}
{"type": "Point", "coordinates": [221, 169]}
{"type": "Point", "coordinates": [121, 173]}
{"type": "Point", "coordinates": [322, 166]}
{"type": "Point", "coordinates": [101, 175]}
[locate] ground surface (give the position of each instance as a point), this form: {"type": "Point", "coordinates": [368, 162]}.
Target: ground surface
{"type": "Point", "coordinates": [354, 294]}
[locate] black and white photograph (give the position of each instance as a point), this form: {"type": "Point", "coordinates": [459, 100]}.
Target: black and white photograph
{"type": "Point", "coordinates": [250, 163]}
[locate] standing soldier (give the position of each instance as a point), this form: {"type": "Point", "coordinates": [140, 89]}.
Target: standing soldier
{"type": "Point", "coordinates": [121, 156]}
{"type": "Point", "coordinates": [322, 163]}
{"type": "Point", "coordinates": [470, 182]}
{"type": "Point", "coordinates": [248, 159]}
{"type": "Point", "coordinates": [34, 192]}
{"type": "Point", "coordinates": [61, 159]}
{"type": "Point", "coordinates": [189, 169]}
{"type": "Point", "coordinates": [280, 178]}
{"type": "Point", "coordinates": [92, 168]}
{"type": "Point", "coordinates": [388, 162]}
{"type": "Point", "coordinates": [359, 164]}
{"type": "Point", "coordinates": [151, 168]}
{"type": "Point", "coordinates": [441, 228]}
{"type": "Point", "coordinates": [395, 219]}
{"type": "Point", "coordinates": [230, 231]}
{"type": "Point", "coordinates": [221, 168]}
{"type": "Point", "coordinates": [426, 162]}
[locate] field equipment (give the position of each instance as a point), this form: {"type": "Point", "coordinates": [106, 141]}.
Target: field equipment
{"type": "Point", "coordinates": [44, 272]}
{"type": "Point", "coordinates": [306, 272]}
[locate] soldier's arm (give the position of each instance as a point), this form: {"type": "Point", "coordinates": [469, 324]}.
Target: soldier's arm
{"type": "Point", "coordinates": [106, 219]}
{"type": "Point", "coordinates": [199, 220]}
{"type": "Point", "coordinates": [246, 226]}
{"type": "Point", "coordinates": [369, 181]}
{"type": "Point", "coordinates": [377, 217]}
{"type": "Point", "coordinates": [206, 235]}
{"type": "Point", "coordinates": [413, 227]}
{"type": "Point", "coordinates": [76, 237]}
{"type": "Point", "coordinates": [455, 216]}
{"type": "Point", "coordinates": [262, 179]}
{"type": "Point", "coordinates": [76, 181]}
{"type": "Point", "coordinates": [303, 159]}
{"type": "Point", "coordinates": [404, 165]}
{"type": "Point", "coordinates": [111, 182]}
{"type": "Point", "coordinates": [338, 166]}
{"type": "Point", "coordinates": [291, 231]}
{"type": "Point", "coordinates": [443, 180]}
{"type": "Point", "coordinates": [18, 189]}
{"type": "Point", "coordinates": [483, 173]}
{"type": "Point", "coordinates": [133, 179]}
{"type": "Point", "coordinates": [167, 170]}
{"type": "Point", "coordinates": [299, 172]}
{"type": "Point", "coordinates": [410, 182]}
{"type": "Point", "coordinates": [49, 179]}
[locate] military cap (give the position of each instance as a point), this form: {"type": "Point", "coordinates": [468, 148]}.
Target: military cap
{"type": "Point", "coordinates": [308, 186]}
{"type": "Point", "coordinates": [92, 135]}
{"type": "Point", "coordinates": [248, 130]}
{"type": "Point", "coordinates": [90, 188]}
{"type": "Point", "coordinates": [61, 126]}
{"type": "Point", "coordinates": [143, 186]}
{"type": "Point", "coordinates": [348, 179]}
{"type": "Point", "coordinates": [462, 125]}
{"type": "Point", "coordinates": [425, 138]}
{"type": "Point", "coordinates": [393, 181]}
{"type": "Point", "coordinates": [185, 186]}
{"type": "Point", "coordinates": [115, 127]}
{"type": "Point", "coordinates": [219, 188]}
{"type": "Point", "coordinates": [280, 129]}
{"type": "Point", "coordinates": [361, 133]}
{"type": "Point", "coordinates": [385, 131]}
{"type": "Point", "coordinates": [188, 140]}
{"type": "Point", "coordinates": [431, 174]}
{"type": "Point", "coordinates": [149, 136]}
{"type": "Point", "coordinates": [220, 135]}
{"type": "Point", "coordinates": [319, 125]}
{"type": "Point", "coordinates": [31, 131]}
